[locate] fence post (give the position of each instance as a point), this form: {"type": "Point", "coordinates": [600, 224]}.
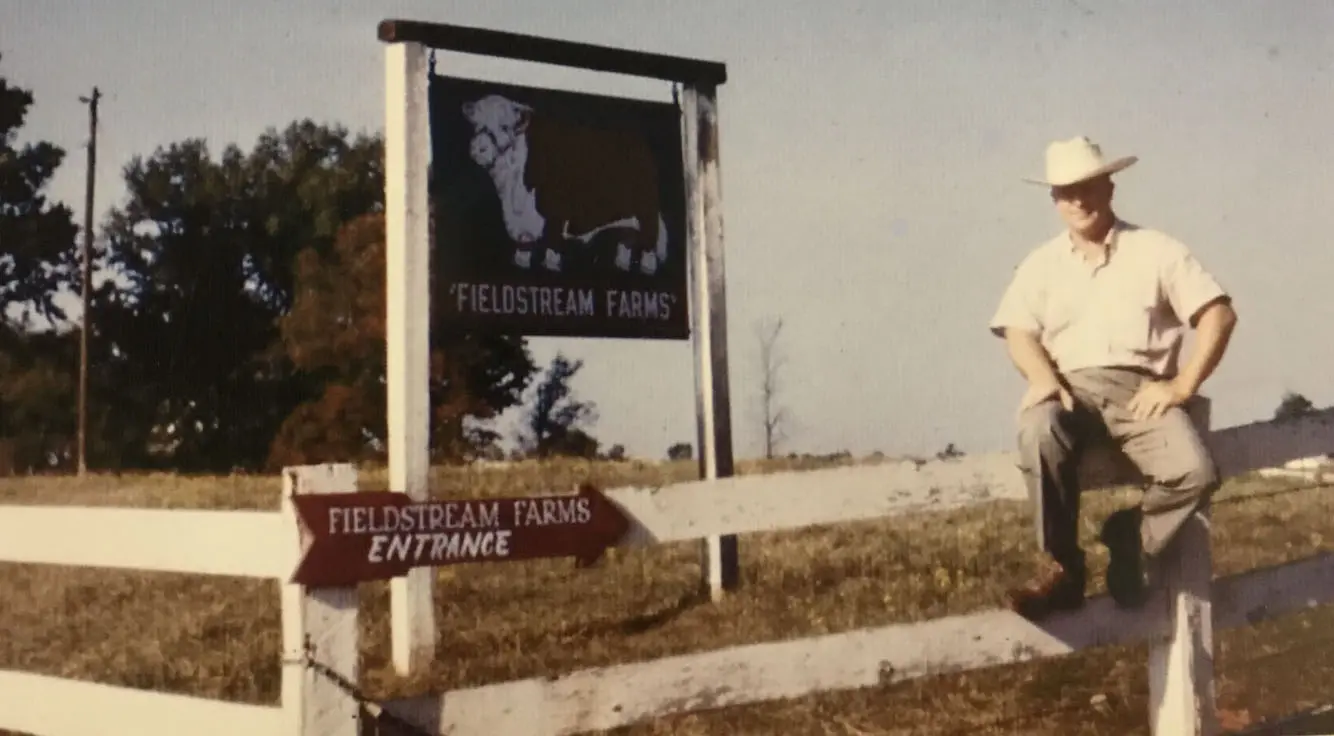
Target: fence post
{"type": "Point", "coordinates": [319, 625]}
{"type": "Point", "coordinates": [1181, 666]}
{"type": "Point", "coordinates": [713, 402]}
{"type": "Point", "coordinates": [407, 154]}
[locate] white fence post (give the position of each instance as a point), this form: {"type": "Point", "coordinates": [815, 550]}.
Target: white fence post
{"type": "Point", "coordinates": [319, 626]}
{"type": "Point", "coordinates": [1181, 667]}
{"type": "Point", "coordinates": [407, 155]}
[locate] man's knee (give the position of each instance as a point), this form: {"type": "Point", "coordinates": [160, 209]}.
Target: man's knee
{"type": "Point", "coordinates": [1203, 473]}
{"type": "Point", "coordinates": [1197, 475]}
{"type": "Point", "coordinates": [1183, 462]}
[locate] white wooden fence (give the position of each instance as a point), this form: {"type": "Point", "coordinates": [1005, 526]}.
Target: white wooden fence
{"type": "Point", "coordinates": [242, 543]}
{"type": "Point", "coordinates": [321, 625]}
{"type": "Point", "coordinates": [1311, 469]}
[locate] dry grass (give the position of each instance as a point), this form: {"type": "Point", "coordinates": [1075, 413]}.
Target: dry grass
{"type": "Point", "coordinates": [219, 637]}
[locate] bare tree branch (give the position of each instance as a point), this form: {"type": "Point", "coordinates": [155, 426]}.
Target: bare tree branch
{"type": "Point", "coordinates": [773, 416]}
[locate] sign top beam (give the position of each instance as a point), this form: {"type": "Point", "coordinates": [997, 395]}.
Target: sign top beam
{"type": "Point", "coordinates": [522, 47]}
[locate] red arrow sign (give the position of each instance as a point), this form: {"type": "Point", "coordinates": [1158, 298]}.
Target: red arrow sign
{"type": "Point", "coordinates": [375, 535]}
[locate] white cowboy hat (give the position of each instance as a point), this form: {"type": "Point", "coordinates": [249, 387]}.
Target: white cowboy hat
{"type": "Point", "coordinates": [1078, 159]}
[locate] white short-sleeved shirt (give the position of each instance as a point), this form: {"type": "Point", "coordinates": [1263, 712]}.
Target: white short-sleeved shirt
{"type": "Point", "coordinates": [1132, 309]}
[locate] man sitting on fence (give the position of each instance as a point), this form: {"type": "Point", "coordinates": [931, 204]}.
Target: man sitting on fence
{"type": "Point", "coordinates": [1094, 320]}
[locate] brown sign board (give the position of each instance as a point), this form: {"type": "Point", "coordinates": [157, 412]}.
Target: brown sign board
{"type": "Point", "coordinates": [556, 213]}
{"type": "Point", "coordinates": [376, 535]}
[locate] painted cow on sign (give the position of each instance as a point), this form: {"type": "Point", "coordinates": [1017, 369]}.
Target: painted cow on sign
{"type": "Point", "coordinates": [560, 183]}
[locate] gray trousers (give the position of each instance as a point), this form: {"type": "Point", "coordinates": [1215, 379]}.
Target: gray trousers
{"type": "Point", "coordinates": [1168, 451]}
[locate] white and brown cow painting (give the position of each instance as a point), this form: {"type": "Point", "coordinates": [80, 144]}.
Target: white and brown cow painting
{"type": "Point", "coordinates": [561, 183]}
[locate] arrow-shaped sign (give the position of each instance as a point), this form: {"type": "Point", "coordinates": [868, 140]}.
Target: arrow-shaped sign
{"type": "Point", "coordinates": [375, 535]}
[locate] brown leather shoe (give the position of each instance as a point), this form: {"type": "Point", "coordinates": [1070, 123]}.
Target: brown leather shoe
{"type": "Point", "coordinates": [1055, 587]}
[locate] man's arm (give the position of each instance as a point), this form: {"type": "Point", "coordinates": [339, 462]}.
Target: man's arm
{"type": "Point", "coordinates": [1213, 330]}
{"type": "Point", "coordinates": [1201, 302]}
{"type": "Point", "coordinates": [1037, 367]}
{"type": "Point", "coordinates": [1018, 321]}
{"type": "Point", "coordinates": [1030, 358]}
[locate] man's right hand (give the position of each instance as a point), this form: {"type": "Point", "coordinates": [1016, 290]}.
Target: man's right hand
{"type": "Point", "coordinates": [1044, 390]}
{"type": "Point", "coordinates": [1033, 362]}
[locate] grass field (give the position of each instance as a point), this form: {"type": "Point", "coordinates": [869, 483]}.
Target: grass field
{"type": "Point", "coordinates": [219, 637]}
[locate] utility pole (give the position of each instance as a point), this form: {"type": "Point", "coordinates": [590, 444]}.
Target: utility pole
{"type": "Point", "coordinates": [87, 278]}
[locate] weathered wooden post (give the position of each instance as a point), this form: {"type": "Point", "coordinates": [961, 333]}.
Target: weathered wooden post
{"type": "Point", "coordinates": [1181, 666]}
{"type": "Point", "coordinates": [407, 329]}
{"type": "Point", "coordinates": [712, 386]}
{"type": "Point", "coordinates": [319, 626]}
{"type": "Point", "coordinates": [482, 298]}
{"type": "Point", "coordinates": [1181, 682]}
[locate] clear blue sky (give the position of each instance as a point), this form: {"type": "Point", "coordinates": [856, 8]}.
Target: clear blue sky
{"type": "Point", "coordinates": [872, 155]}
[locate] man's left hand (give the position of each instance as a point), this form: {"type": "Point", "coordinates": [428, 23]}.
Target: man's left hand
{"type": "Point", "coordinates": [1154, 398]}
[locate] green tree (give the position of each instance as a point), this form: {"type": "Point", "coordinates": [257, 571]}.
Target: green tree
{"type": "Point", "coordinates": [189, 357]}
{"type": "Point", "coordinates": [949, 452]}
{"type": "Point", "coordinates": [37, 237]}
{"type": "Point", "coordinates": [556, 422]}
{"type": "Point", "coordinates": [37, 398]}
{"type": "Point", "coordinates": [680, 451]}
{"type": "Point", "coordinates": [1293, 405]}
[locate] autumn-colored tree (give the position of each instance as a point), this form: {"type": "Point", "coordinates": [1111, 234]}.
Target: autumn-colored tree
{"type": "Point", "coordinates": [186, 351]}
{"type": "Point", "coordinates": [336, 332]}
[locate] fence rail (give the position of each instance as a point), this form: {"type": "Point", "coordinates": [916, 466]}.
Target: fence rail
{"type": "Point", "coordinates": [320, 626]}
{"type": "Point", "coordinates": [609, 697]}
{"type": "Point", "coordinates": [53, 706]}
{"type": "Point", "coordinates": [745, 504]}
{"type": "Point", "coordinates": [241, 543]}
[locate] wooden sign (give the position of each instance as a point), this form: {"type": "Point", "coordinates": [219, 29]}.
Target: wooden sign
{"type": "Point", "coordinates": [557, 213]}
{"type": "Point", "coordinates": [375, 535]}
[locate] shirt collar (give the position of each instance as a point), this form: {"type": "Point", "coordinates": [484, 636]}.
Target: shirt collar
{"type": "Point", "coordinates": [1110, 240]}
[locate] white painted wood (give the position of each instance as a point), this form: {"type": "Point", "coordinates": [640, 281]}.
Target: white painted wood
{"type": "Point", "coordinates": [752, 503]}
{"type": "Point", "coordinates": [615, 696]}
{"type": "Point", "coordinates": [1181, 664]}
{"type": "Point", "coordinates": [245, 543]}
{"type": "Point", "coordinates": [319, 624]}
{"type": "Point", "coordinates": [722, 553]}
{"type": "Point", "coordinates": [39, 704]}
{"type": "Point", "coordinates": [711, 570]}
{"type": "Point", "coordinates": [407, 326]}
{"type": "Point", "coordinates": [610, 697]}
{"type": "Point", "coordinates": [1315, 469]}
{"type": "Point", "coordinates": [709, 315]}
{"type": "Point", "coordinates": [53, 706]}
{"type": "Point", "coordinates": [606, 697]}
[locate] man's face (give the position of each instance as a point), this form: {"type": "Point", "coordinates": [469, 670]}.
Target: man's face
{"type": "Point", "coordinates": [1083, 205]}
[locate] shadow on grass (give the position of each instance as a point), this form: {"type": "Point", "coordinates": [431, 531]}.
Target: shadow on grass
{"type": "Point", "coordinates": [647, 622]}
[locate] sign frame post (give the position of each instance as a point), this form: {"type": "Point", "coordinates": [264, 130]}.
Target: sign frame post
{"type": "Point", "coordinates": [407, 331]}
{"type": "Point", "coordinates": [407, 156]}
{"type": "Point", "coordinates": [709, 313]}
